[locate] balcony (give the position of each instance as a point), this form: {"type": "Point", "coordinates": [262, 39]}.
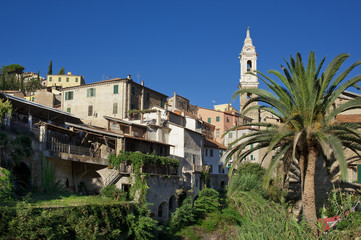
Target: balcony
{"type": "Point", "coordinates": [200, 168]}
{"type": "Point", "coordinates": [74, 153]}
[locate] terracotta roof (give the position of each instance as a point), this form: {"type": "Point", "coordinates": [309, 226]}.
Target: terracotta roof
{"type": "Point", "coordinates": [213, 144]}
{"type": "Point", "coordinates": [349, 118]}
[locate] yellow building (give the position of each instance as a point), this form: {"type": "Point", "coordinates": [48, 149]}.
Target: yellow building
{"type": "Point", "coordinates": [65, 80]}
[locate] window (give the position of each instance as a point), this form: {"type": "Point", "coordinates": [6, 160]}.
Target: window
{"type": "Point", "coordinates": [147, 97]}
{"type": "Point", "coordinates": [211, 168]}
{"type": "Point", "coordinates": [67, 79]}
{"type": "Point", "coordinates": [115, 89]}
{"type": "Point", "coordinates": [252, 146]}
{"type": "Point", "coordinates": [50, 79]}
{"type": "Point", "coordinates": [209, 120]}
{"type": "Point", "coordinates": [76, 79]}
{"type": "Point", "coordinates": [162, 102]}
{"type": "Point", "coordinates": [206, 151]}
{"type": "Point", "coordinates": [220, 169]}
{"type": "Point", "coordinates": [133, 90]}
{"type": "Point", "coordinates": [90, 110]}
{"type": "Point", "coordinates": [230, 135]}
{"type": "Point", "coordinates": [115, 108]}
{"type": "Point", "coordinates": [59, 79]}
{"type": "Point", "coordinates": [68, 110]}
{"type": "Point", "coordinates": [227, 119]}
{"type": "Point", "coordinates": [32, 99]}
{"type": "Point", "coordinates": [211, 152]}
{"type": "Point", "coordinates": [217, 119]}
{"type": "Point", "coordinates": [252, 157]}
{"type": "Point", "coordinates": [69, 95]}
{"type": "Point", "coordinates": [249, 65]}
{"type": "Point", "coordinates": [217, 133]}
{"type": "Point", "coordinates": [90, 92]}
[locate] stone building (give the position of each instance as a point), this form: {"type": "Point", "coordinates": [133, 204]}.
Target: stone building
{"type": "Point", "coordinates": [218, 171]}
{"type": "Point", "coordinates": [113, 97]}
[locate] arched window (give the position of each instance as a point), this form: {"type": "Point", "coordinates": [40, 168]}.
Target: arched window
{"type": "Point", "coordinates": [249, 65]}
{"type": "Point", "coordinates": [115, 108]}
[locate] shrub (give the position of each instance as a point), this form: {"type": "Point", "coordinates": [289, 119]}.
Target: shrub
{"type": "Point", "coordinates": [184, 216]}
{"type": "Point", "coordinates": [141, 225]}
{"type": "Point", "coordinates": [248, 177]}
{"type": "Point", "coordinates": [83, 222]}
{"type": "Point", "coordinates": [113, 192]}
{"type": "Point", "coordinates": [6, 187]}
{"type": "Point", "coordinates": [207, 201]}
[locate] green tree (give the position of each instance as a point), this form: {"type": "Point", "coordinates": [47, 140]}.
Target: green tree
{"type": "Point", "coordinates": [50, 70]}
{"type": "Point", "coordinates": [13, 68]}
{"type": "Point", "coordinates": [33, 84]}
{"type": "Point", "coordinates": [61, 71]}
{"type": "Point", "coordinates": [5, 108]}
{"type": "Point", "coordinates": [308, 131]}
{"type": "Point", "coordinates": [12, 76]}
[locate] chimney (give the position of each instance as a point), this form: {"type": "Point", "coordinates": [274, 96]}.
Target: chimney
{"type": "Point", "coordinates": [142, 83]}
{"type": "Point", "coordinates": [69, 73]}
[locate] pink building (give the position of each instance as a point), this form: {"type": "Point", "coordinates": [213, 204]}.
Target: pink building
{"type": "Point", "coordinates": [221, 120]}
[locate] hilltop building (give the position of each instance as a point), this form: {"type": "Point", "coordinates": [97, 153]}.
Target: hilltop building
{"type": "Point", "coordinates": [64, 80]}
{"type": "Point", "coordinates": [113, 97]}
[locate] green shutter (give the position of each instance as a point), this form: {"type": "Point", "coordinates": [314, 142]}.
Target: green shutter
{"type": "Point", "coordinates": [87, 92]}
{"type": "Point", "coordinates": [66, 95]}
{"type": "Point", "coordinates": [209, 120]}
{"type": "Point", "coordinates": [359, 173]}
{"type": "Point", "coordinates": [115, 89]}
{"type": "Point", "coordinates": [94, 91]}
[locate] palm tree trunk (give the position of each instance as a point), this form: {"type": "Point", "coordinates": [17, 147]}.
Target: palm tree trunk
{"type": "Point", "coordinates": [302, 171]}
{"type": "Point", "coordinates": [308, 196]}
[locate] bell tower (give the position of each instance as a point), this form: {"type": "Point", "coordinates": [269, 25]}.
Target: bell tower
{"type": "Point", "coordinates": [248, 62]}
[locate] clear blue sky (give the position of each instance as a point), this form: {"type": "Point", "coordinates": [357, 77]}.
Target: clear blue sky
{"type": "Point", "coordinates": [190, 47]}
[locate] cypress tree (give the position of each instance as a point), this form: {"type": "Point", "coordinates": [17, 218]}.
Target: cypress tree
{"type": "Point", "coordinates": [61, 71]}
{"type": "Point", "coordinates": [50, 71]}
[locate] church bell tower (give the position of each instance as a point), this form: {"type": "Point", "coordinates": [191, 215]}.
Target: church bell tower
{"type": "Point", "coordinates": [248, 62]}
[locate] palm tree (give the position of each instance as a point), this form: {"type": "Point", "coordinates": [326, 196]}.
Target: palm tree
{"type": "Point", "coordinates": [308, 131]}
{"type": "Point", "coordinates": [33, 84]}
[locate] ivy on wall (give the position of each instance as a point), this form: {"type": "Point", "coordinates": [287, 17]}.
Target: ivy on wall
{"type": "Point", "coordinates": [138, 160]}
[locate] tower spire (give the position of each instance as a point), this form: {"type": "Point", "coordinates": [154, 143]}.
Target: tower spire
{"type": "Point", "coordinates": [248, 39]}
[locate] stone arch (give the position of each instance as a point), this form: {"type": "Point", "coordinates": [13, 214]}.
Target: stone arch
{"type": "Point", "coordinates": [22, 175]}
{"type": "Point", "coordinates": [249, 65]}
{"type": "Point", "coordinates": [172, 204]}
{"type": "Point", "coordinates": [92, 181]}
{"type": "Point", "coordinates": [163, 211]}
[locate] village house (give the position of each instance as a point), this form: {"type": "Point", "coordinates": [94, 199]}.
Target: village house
{"type": "Point", "coordinates": [113, 97]}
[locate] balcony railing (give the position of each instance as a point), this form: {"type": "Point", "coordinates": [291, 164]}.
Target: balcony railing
{"type": "Point", "coordinates": [200, 168]}
{"type": "Point", "coordinates": [72, 149]}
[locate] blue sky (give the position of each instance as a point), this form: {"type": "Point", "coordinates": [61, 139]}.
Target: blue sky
{"type": "Point", "coordinates": [188, 47]}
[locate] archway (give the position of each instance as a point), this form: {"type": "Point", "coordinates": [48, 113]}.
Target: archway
{"type": "Point", "coordinates": [92, 182]}
{"type": "Point", "coordinates": [249, 65]}
{"type": "Point", "coordinates": [172, 204]}
{"type": "Point", "coordinates": [162, 211]}
{"type": "Point", "coordinates": [222, 184]}
{"type": "Point", "coordinates": [22, 175]}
